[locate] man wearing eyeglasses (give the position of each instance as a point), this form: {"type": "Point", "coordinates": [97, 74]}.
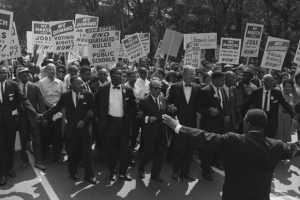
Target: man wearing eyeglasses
{"type": "Point", "coordinates": [154, 131]}
{"type": "Point", "coordinates": [115, 107]}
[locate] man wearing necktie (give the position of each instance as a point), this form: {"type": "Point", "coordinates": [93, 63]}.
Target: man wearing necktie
{"type": "Point", "coordinates": [12, 100]}
{"type": "Point", "coordinates": [115, 108]}
{"type": "Point", "coordinates": [85, 74]}
{"type": "Point", "coordinates": [154, 138]}
{"type": "Point", "coordinates": [184, 99]}
{"type": "Point", "coordinates": [212, 119]}
{"type": "Point", "coordinates": [268, 99]}
{"type": "Point", "coordinates": [79, 105]}
{"type": "Point", "coordinates": [28, 125]}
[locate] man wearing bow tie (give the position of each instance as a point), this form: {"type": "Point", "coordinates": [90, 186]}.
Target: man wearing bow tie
{"type": "Point", "coordinates": [212, 119]}
{"type": "Point", "coordinates": [183, 100]}
{"type": "Point", "coordinates": [115, 107]}
{"type": "Point", "coordinates": [79, 105]}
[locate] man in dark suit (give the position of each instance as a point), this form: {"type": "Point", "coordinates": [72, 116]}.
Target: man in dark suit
{"type": "Point", "coordinates": [85, 74]}
{"type": "Point", "coordinates": [233, 117]}
{"type": "Point", "coordinates": [152, 108]}
{"type": "Point", "coordinates": [183, 100]}
{"type": "Point", "coordinates": [250, 159]}
{"type": "Point", "coordinates": [268, 99]}
{"type": "Point", "coordinates": [28, 125]}
{"type": "Point", "coordinates": [212, 109]}
{"type": "Point", "coordinates": [11, 100]}
{"type": "Point", "coordinates": [79, 105]}
{"type": "Point", "coordinates": [102, 75]}
{"type": "Point", "coordinates": [115, 107]}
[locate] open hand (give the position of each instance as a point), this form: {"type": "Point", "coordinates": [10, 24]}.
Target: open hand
{"type": "Point", "coordinates": [169, 121]}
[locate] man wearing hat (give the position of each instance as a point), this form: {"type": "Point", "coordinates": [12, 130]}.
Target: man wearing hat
{"type": "Point", "coordinates": [28, 125]}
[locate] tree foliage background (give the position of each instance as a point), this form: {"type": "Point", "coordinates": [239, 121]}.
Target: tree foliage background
{"type": "Point", "coordinates": [226, 17]}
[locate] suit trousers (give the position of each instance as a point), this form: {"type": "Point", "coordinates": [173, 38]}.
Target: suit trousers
{"type": "Point", "coordinates": [78, 147]}
{"type": "Point", "coordinates": [27, 130]}
{"type": "Point", "coordinates": [183, 154]}
{"type": "Point", "coordinates": [52, 135]}
{"type": "Point", "coordinates": [116, 144]}
{"type": "Point", "coordinates": [154, 147]}
{"type": "Point", "coordinates": [8, 138]}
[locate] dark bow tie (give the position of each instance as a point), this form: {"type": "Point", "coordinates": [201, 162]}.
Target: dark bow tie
{"type": "Point", "coordinates": [188, 85]}
{"type": "Point", "coordinates": [116, 87]}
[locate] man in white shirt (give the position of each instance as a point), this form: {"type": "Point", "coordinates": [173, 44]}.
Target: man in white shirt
{"type": "Point", "coordinates": [115, 108]}
{"type": "Point", "coordinates": [142, 82]}
{"type": "Point", "coordinates": [52, 89]}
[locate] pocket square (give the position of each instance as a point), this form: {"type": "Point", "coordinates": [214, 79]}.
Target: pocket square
{"type": "Point", "coordinates": [84, 103]}
{"type": "Point", "coordinates": [275, 101]}
{"type": "Point", "coordinates": [127, 98]}
{"type": "Point", "coordinates": [10, 95]}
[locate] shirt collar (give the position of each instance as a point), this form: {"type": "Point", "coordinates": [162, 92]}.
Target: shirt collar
{"type": "Point", "coordinates": [215, 88]}
{"type": "Point", "coordinates": [49, 80]}
{"type": "Point", "coordinates": [111, 86]}
{"type": "Point", "coordinates": [74, 93]}
{"type": "Point", "coordinates": [264, 89]}
{"type": "Point", "coordinates": [155, 98]}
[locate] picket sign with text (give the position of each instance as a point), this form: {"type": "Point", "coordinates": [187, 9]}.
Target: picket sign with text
{"type": "Point", "coordinates": [83, 22]}
{"type": "Point", "coordinates": [193, 55]}
{"type": "Point", "coordinates": [122, 52]}
{"type": "Point", "coordinates": [6, 19]}
{"type": "Point", "coordinates": [103, 45]}
{"type": "Point", "coordinates": [252, 39]}
{"type": "Point", "coordinates": [297, 55]}
{"type": "Point", "coordinates": [62, 35]}
{"type": "Point", "coordinates": [14, 46]}
{"type": "Point", "coordinates": [145, 39]}
{"type": "Point", "coordinates": [74, 56]}
{"type": "Point", "coordinates": [230, 51]}
{"type": "Point", "coordinates": [206, 40]}
{"type": "Point", "coordinates": [274, 53]}
{"type": "Point", "coordinates": [133, 47]}
{"type": "Point", "coordinates": [42, 36]}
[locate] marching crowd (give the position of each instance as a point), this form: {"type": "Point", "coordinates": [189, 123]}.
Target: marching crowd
{"type": "Point", "coordinates": [72, 107]}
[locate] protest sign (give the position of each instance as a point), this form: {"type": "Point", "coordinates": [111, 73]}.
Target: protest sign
{"type": "Point", "coordinates": [74, 56]}
{"type": "Point", "coordinates": [62, 35]}
{"type": "Point", "coordinates": [122, 52]}
{"type": "Point", "coordinates": [206, 40]}
{"type": "Point", "coordinates": [6, 19]}
{"type": "Point", "coordinates": [230, 51]}
{"type": "Point", "coordinates": [145, 39]}
{"type": "Point", "coordinates": [193, 54]}
{"type": "Point", "coordinates": [133, 47]}
{"type": "Point", "coordinates": [29, 41]}
{"type": "Point", "coordinates": [252, 39]}
{"type": "Point", "coordinates": [274, 53]}
{"type": "Point", "coordinates": [14, 50]}
{"type": "Point", "coordinates": [171, 43]}
{"type": "Point", "coordinates": [83, 22]}
{"type": "Point", "coordinates": [42, 35]}
{"type": "Point", "coordinates": [297, 55]}
{"type": "Point", "coordinates": [103, 46]}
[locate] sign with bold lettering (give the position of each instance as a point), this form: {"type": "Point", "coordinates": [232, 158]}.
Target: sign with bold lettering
{"type": "Point", "coordinates": [14, 50]}
{"type": "Point", "coordinates": [42, 35]}
{"type": "Point", "coordinates": [193, 54]}
{"type": "Point", "coordinates": [252, 39]}
{"type": "Point", "coordinates": [145, 39]}
{"type": "Point", "coordinates": [6, 19]}
{"type": "Point", "coordinates": [297, 55]}
{"type": "Point", "coordinates": [103, 45]}
{"type": "Point", "coordinates": [62, 35]}
{"type": "Point", "coordinates": [158, 54]}
{"type": "Point", "coordinates": [83, 22]}
{"type": "Point", "coordinates": [274, 53]}
{"type": "Point", "coordinates": [230, 51]}
{"type": "Point", "coordinates": [134, 47]}
{"type": "Point", "coordinates": [206, 40]}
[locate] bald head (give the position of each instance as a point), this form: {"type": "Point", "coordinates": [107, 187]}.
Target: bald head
{"type": "Point", "coordinates": [230, 78]}
{"type": "Point", "coordinates": [155, 87]}
{"type": "Point", "coordinates": [269, 81]}
{"type": "Point", "coordinates": [255, 119]}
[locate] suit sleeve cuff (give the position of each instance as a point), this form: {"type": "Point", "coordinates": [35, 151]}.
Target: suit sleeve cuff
{"type": "Point", "coordinates": [177, 129]}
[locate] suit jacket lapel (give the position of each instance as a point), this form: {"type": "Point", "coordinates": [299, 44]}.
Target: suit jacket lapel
{"type": "Point", "coordinates": [107, 93]}
{"type": "Point", "coordinates": [182, 93]}
{"type": "Point", "coordinates": [123, 96]}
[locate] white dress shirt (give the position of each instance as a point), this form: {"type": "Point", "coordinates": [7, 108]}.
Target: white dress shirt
{"type": "Point", "coordinates": [51, 90]}
{"type": "Point", "coordinates": [187, 92]}
{"type": "Point", "coordinates": [144, 86]}
{"type": "Point", "coordinates": [3, 89]}
{"type": "Point", "coordinates": [75, 98]}
{"type": "Point", "coordinates": [219, 94]}
{"type": "Point", "coordinates": [268, 100]}
{"type": "Point", "coordinates": [115, 107]}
